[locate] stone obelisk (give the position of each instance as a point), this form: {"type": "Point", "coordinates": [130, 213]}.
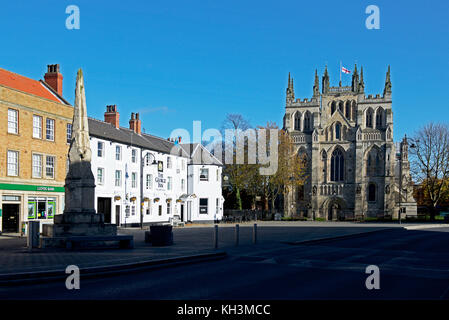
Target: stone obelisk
{"type": "Point", "coordinates": [79, 217]}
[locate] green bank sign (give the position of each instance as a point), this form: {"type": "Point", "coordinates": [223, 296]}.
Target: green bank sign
{"type": "Point", "coordinates": [26, 187]}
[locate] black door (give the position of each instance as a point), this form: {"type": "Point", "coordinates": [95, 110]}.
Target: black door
{"type": "Point", "coordinates": [10, 217]}
{"type": "Point", "coordinates": [104, 207]}
{"type": "Point", "coordinates": [117, 215]}
{"type": "Point", "coordinates": [182, 212]}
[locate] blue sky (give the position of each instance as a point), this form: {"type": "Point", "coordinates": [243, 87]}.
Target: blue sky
{"type": "Point", "coordinates": [180, 61]}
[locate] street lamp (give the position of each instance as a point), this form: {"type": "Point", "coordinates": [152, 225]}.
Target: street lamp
{"type": "Point", "coordinates": [143, 160]}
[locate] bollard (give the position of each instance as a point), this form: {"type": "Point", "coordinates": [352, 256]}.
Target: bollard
{"type": "Point", "coordinates": [33, 235]}
{"type": "Point", "coordinates": [255, 234]}
{"type": "Point", "coordinates": [216, 237]}
{"type": "Point", "coordinates": [237, 230]}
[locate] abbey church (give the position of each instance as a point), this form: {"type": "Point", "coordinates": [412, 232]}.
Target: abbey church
{"type": "Point", "coordinates": [355, 169]}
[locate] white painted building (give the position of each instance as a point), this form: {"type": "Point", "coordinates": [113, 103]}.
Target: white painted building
{"type": "Point", "coordinates": [145, 179]}
{"type": "Point", "coordinates": [203, 184]}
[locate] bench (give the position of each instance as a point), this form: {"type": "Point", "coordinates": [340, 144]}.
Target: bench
{"type": "Point", "coordinates": [124, 241]}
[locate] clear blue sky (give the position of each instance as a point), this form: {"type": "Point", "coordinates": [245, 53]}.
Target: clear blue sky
{"type": "Point", "coordinates": [180, 61]}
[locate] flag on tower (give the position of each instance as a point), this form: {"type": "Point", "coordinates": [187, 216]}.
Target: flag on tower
{"type": "Point", "coordinates": [344, 70]}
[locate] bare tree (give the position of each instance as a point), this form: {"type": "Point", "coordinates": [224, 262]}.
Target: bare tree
{"type": "Point", "coordinates": [430, 162]}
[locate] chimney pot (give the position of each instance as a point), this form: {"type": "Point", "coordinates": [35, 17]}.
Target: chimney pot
{"type": "Point", "coordinates": [135, 123]}
{"type": "Point", "coordinates": [112, 116]}
{"type": "Point", "coordinates": [54, 78]}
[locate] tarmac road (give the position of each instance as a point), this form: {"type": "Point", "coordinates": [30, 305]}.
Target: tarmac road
{"type": "Point", "coordinates": [414, 264]}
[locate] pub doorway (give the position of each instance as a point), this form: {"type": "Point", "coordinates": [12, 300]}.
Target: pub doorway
{"type": "Point", "coordinates": [104, 207]}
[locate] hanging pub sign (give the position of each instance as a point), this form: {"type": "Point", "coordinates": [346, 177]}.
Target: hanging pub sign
{"type": "Point", "coordinates": [160, 166]}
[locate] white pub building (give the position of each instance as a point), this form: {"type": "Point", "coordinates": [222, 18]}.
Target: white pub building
{"type": "Point", "coordinates": [142, 179]}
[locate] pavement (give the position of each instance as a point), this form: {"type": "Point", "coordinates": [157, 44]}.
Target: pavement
{"type": "Point", "coordinates": [193, 241]}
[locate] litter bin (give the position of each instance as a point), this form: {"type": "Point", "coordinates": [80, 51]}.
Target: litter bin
{"type": "Point", "coordinates": [161, 235]}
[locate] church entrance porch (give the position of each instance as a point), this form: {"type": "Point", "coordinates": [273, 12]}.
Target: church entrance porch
{"type": "Point", "coordinates": [334, 209]}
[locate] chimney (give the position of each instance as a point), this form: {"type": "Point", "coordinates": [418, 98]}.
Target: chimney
{"type": "Point", "coordinates": [134, 123]}
{"type": "Point", "coordinates": [54, 78]}
{"type": "Point", "coordinates": [112, 116]}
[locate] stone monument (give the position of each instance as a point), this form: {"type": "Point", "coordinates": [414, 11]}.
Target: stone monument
{"type": "Point", "coordinates": [80, 223]}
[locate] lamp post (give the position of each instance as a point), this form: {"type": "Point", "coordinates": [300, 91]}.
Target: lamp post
{"type": "Point", "coordinates": [142, 161]}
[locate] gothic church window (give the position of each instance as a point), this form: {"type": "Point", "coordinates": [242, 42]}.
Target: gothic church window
{"type": "Point", "coordinates": [324, 160]}
{"type": "Point", "coordinates": [369, 118]}
{"type": "Point", "coordinates": [338, 131]}
{"type": "Point", "coordinates": [337, 165]}
{"type": "Point", "coordinates": [348, 110]}
{"type": "Point", "coordinates": [354, 111]}
{"type": "Point", "coordinates": [380, 118]}
{"type": "Point", "coordinates": [297, 121]}
{"type": "Point", "coordinates": [307, 122]}
{"type": "Point", "coordinates": [333, 107]}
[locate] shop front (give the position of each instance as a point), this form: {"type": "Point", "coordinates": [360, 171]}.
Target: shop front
{"type": "Point", "coordinates": [22, 203]}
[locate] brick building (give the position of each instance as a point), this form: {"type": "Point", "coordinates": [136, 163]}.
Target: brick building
{"type": "Point", "coordinates": [35, 122]}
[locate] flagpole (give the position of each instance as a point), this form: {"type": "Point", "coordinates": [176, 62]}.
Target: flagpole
{"type": "Point", "coordinates": [340, 71]}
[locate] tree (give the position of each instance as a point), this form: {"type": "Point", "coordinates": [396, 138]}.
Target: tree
{"type": "Point", "coordinates": [430, 163]}
{"type": "Point", "coordinates": [239, 174]}
{"type": "Point", "coordinates": [291, 171]}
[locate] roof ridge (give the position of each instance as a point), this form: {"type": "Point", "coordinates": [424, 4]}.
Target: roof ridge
{"type": "Point", "coordinates": [18, 74]}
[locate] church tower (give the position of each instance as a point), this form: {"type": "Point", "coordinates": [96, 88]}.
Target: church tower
{"type": "Point", "coordinates": [353, 171]}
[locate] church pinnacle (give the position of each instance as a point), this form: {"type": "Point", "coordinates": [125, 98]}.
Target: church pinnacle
{"type": "Point", "coordinates": [362, 82]}
{"type": "Point", "coordinates": [325, 81]}
{"type": "Point", "coordinates": [387, 90]}
{"type": "Point", "coordinates": [355, 80]}
{"type": "Point", "coordinates": [290, 90]}
{"type": "Point", "coordinates": [316, 86]}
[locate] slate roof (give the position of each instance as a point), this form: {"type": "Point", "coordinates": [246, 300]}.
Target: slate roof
{"type": "Point", "coordinates": [199, 154]}
{"type": "Point", "coordinates": [107, 131]}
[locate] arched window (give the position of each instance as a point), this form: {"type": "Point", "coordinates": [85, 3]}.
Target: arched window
{"type": "Point", "coordinates": [337, 165]}
{"type": "Point", "coordinates": [333, 107]}
{"type": "Point", "coordinates": [297, 121]}
{"type": "Point", "coordinates": [369, 118]}
{"type": "Point", "coordinates": [348, 110]}
{"type": "Point", "coordinates": [338, 131]}
{"type": "Point", "coordinates": [307, 121]}
{"type": "Point", "coordinates": [371, 192]}
{"type": "Point", "coordinates": [354, 111]}
{"type": "Point", "coordinates": [374, 165]}
{"type": "Point", "coordinates": [324, 163]}
{"type": "Point", "coordinates": [341, 107]}
{"type": "Point", "coordinates": [380, 118]}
